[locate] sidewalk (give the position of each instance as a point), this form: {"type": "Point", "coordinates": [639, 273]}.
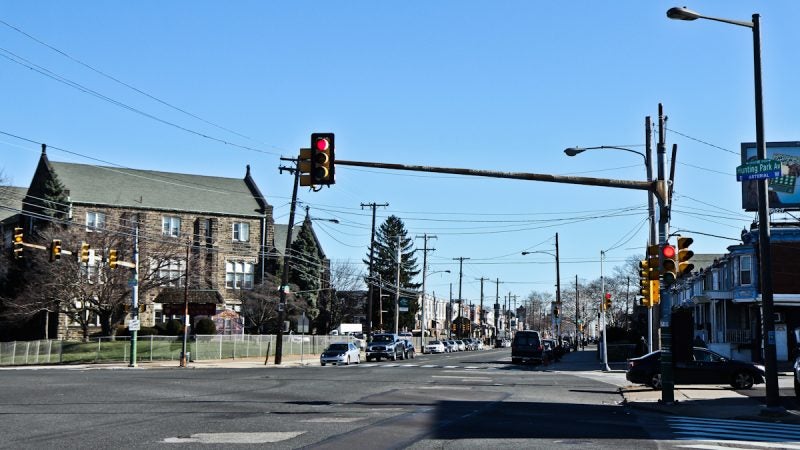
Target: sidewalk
{"type": "Point", "coordinates": [707, 401]}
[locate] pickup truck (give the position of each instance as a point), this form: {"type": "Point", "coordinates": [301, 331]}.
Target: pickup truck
{"type": "Point", "coordinates": [386, 345]}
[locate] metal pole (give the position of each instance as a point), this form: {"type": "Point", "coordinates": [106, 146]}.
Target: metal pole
{"type": "Point", "coordinates": [135, 292]}
{"type": "Point", "coordinates": [602, 308]}
{"type": "Point", "coordinates": [558, 289]}
{"type": "Point", "coordinates": [665, 310]}
{"type": "Point", "coordinates": [424, 272]}
{"type": "Point", "coordinates": [371, 293]}
{"type": "Point", "coordinates": [185, 311]}
{"type": "Point", "coordinates": [651, 212]}
{"type": "Point", "coordinates": [765, 257]}
{"type": "Point", "coordinates": [397, 291]}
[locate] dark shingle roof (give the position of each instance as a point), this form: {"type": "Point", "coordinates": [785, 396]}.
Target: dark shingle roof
{"type": "Point", "coordinates": [11, 198]}
{"type": "Point", "coordinates": [151, 189]}
{"type": "Point", "coordinates": [280, 236]}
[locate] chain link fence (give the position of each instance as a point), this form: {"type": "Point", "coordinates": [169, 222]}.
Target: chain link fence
{"type": "Point", "coordinates": [160, 348]}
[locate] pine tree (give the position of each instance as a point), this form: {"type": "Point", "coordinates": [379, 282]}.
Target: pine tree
{"type": "Point", "coordinates": [391, 235]}
{"type": "Point", "coordinates": [305, 269]}
{"type": "Point", "coordinates": [54, 199]}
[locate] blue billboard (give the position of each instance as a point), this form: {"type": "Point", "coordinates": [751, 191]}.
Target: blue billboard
{"type": "Point", "coordinates": [784, 192]}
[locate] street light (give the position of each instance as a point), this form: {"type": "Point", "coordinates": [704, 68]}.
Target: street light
{"type": "Point", "coordinates": [558, 281]}
{"type": "Point", "coordinates": [648, 164]}
{"type": "Point", "coordinates": [422, 324]}
{"type": "Point", "coordinates": [770, 359]}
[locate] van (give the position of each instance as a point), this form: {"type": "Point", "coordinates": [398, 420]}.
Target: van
{"type": "Point", "coordinates": [527, 347]}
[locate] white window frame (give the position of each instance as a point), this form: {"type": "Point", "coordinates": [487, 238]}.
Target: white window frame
{"type": "Point", "coordinates": [168, 226]}
{"type": "Point", "coordinates": [748, 271]}
{"type": "Point", "coordinates": [239, 275]}
{"type": "Point", "coordinates": [172, 272]}
{"type": "Point", "coordinates": [241, 231]}
{"type": "Point", "coordinates": [95, 221]}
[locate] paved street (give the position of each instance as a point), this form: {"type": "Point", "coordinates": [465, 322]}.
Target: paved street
{"type": "Point", "coordinates": [459, 400]}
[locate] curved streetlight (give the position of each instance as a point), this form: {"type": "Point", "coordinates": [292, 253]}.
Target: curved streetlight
{"type": "Point", "coordinates": [768, 323]}
{"type": "Point", "coordinates": [422, 322]}
{"type": "Point", "coordinates": [325, 220]}
{"type": "Point", "coordinates": [572, 151]}
{"type": "Point", "coordinates": [558, 280]}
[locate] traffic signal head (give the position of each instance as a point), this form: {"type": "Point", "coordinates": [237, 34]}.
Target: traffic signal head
{"type": "Point", "coordinates": [84, 255]}
{"type": "Point", "coordinates": [112, 258]}
{"type": "Point", "coordinates": [684, 255]}
{"type": "Point", "coordinates": [322, 158]}
{"type": "Point", "coordinates": [55, 250]}
{"type": "Point", "coordinates": [18, 243]}
{"type": "Point", "coordinates": [653, 261]}
{"type": "Point", "coordinates": [669, 268]}
{"type": "Point", "coordinates": [555, 311]}
{"type": "Point", "coordinates": [607, 301]}
{"type": "Point", "coordinates": [304, 166]}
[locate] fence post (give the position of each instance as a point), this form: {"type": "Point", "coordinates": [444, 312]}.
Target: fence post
{"type": "Point", "coordinates": [27, 350]}
{"type": "Point", "coordinates": [151, 348]}
{"type": "Point", "coordinates": [13, 352]}
{"type": "Point", "coordinates": [234, 346]}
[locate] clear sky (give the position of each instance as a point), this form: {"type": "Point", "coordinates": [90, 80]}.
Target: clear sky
{"type": "Point", "coordinates": [500, 86]}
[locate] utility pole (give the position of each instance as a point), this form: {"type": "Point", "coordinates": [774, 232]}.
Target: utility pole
{"type": "Point", "coordinates": [578, 335]}
{"type": "Point", "coordinates": [667, 377]}
{"type": "Point", "coordinates": [496, 307]}
{"type": "Point", "coordinates": [425, 251]}
{"type": "Point", "coordinates": [558, 290]}
{"type": "Point", "coordinates": [287, 259]}
{"type": "Point", "coordinates": [460, 278]}
{"type": "Point", "coordinates": [370, 295]}
{"type": "Point", "coordinates": [185, 348]}
{"type": "Point", "coordinates": [651, 212]}
{"type": "Point", "coordinates": [135, 292]}
{"type": "Point", "coordinates": [397, 290]}
{"type": "Point", "coordinates": [482, 318]}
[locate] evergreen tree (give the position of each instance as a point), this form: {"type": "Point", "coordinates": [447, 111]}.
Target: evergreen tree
{"type": "Point", "coordinates": [54, 199]}
{"type": "Point", "coordinates": [392, 235]}
{"type": "Point", "coordinates": [305, 268]}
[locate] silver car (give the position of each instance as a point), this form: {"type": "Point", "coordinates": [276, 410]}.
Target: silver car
{"type": "Point", "coordinates": [340, 353]}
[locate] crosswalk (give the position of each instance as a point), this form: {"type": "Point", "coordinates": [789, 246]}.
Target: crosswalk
{"type": "Point", "coordinates": [711, 434]}
{"type": "Point", "coordinates": [423, 366]}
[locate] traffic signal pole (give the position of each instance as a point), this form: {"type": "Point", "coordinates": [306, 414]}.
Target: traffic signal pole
{"type": "Point", "coordinates": [667, 379]}
{"type": "Point", "coordinates": [287, 258]}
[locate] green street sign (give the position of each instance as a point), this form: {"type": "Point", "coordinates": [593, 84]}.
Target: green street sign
{"type": "Point", "coordinates": [760, 169]}
{"type": "Point", "coordinates": [403, 303]}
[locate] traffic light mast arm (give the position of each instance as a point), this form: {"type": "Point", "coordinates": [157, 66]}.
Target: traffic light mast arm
{"type": "Point", "coordinates": [588, 181]}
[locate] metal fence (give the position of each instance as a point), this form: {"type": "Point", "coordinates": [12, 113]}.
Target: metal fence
{"type": "Point", "coordinates": [160, 348]}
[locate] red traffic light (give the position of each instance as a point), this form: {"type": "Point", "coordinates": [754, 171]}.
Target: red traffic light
{"type": "Point", "coordinates": [608, 295]}
{"type": "Point", "coordinates": [668, 251]}
{"type": "Point", "coordinates": [322, 144]}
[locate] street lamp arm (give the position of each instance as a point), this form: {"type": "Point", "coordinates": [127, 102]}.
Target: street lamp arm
{"type": "Point", "coordinates": [687, 14]}
{"type": "Point", "coordinates": [572, 151]}
{"type": "Point", "coordinates": [539, 251]}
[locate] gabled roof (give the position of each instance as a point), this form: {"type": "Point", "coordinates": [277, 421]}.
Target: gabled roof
{"type": "Point", "coordinates": [149, 189]}
{"type": "Point", "coordinates": [280, 236]}
{"type": "Point", "coordinates": [11, 201]}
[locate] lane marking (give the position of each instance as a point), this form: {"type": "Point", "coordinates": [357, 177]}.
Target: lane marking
{"type": "Point", "coordinates": [235, 438]}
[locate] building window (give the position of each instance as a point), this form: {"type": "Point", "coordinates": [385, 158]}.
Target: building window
{"type": "Point", "coordinates": [744, 270]}
{"type": "Point", "coordinates": [238, 275]}
{"type": "Point", "coordinates": [171, 226]}
{"type": "Point", "coordinates": [95, 221]}
{"type": "Point", "coordinates": [241, 231]}
{"type": "Point", "coordinates": [171, 273]}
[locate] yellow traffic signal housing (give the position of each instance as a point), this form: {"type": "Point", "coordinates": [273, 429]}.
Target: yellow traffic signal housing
{"type": "Point", "coordinates": [322, 159]}
{"type": "Point", "coordinates": [653, 261]}
{"type": "Point", "coordinates": [684, 255]}
{"type": "Point", "coordinates": [18, 243]}
{"type": "Point", "coordinates": [112, 258]}
{"type": "Point", "coordinates": [607, 301]}
{"type": "Point", "coordinates": [304, 166]}
{"type": "Point", "coordinates": [84, 255]}
{"type": "Point", "coordinates": [655, 295]}
{"type": "Point", "coordinates": [55, 250]}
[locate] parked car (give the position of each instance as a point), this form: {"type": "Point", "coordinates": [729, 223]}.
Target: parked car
{"type": "Point", "coordinates": [550, 352]}
{"type": "Point", "coordinates": [386, 345]}
{"type": "Point", "coordinates": [340, 353]}
{"type": "Point", "coordinates": [461, 346]}
{"type": "Point", "coordinates": [797, 377]}
{"type": "Point", "coordinates": [434, 347]}
{"type": "Point", "coordinates": [527, 346]}
{"type": "Point", "coordinates": [410, 351]}
{"type": "Point", "coordinates": [705, 367]}
{"type": "Point", "coordinates": [451, 346]}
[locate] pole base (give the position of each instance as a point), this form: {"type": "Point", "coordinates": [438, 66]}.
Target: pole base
{"type": "Point", "coordinates": [773, 411]}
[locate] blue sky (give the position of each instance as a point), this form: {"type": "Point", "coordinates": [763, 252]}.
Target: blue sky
{"type": "Point", "coordinates": [500, 86]}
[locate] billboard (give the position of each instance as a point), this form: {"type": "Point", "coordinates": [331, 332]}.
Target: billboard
{"type": "Point", "coordinates": [784, 192]}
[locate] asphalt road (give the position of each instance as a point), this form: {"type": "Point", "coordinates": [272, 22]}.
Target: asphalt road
{"type": "Point", "coordinates": [460, 400]}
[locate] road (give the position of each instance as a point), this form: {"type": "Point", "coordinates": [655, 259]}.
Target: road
{"type": "Point", "coordinates": [460, 400]}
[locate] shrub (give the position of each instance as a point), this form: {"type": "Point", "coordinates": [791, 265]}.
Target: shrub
{"type": "Point", "coordinates": [174, 327]}
{"type": "Point", "coordinates": [205, 326]}
{"type": "Point", "coordinates": [148, 331]}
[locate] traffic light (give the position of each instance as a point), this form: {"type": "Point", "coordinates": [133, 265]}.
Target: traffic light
{"type": "Point", "coordinates": [607, 301]}
{"type": "Point", "coordinates": [555, 310]}
{"type": "Point", "coordinates": [668, 265]}
{"type": "Point", "coordinates": [684, 255]}
{"type": "Point", "coordinates": [112, 258]}
{"type": "Point", "coordinates": [18, 245]}
{"type": "Point", "coordinates": [644, 281]}
{"type": "Point", "coordinates": [84, 255]}
{"type": "Point", "coordinates": [304, 166]}
{"type": "Point", "coordinates": [653, 261]}
{"type": "Point", "coordinates": [322, 158]}
{"type": "Point", "coordinates": [55, 250]}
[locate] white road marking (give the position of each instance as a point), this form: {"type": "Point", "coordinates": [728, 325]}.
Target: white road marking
{"type": "Point", "coordinates": [235, 438]}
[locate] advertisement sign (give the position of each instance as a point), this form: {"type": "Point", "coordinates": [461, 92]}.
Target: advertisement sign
{"type": "Point", "coordinates": [784, 192]}
{"type": "Point", "coordinates": [403, 304]}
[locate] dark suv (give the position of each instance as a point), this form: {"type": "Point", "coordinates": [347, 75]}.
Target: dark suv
{"type": "Point", "coordinates": [527, 346]}
{"type": "Point", "coordinates": [386, 345]}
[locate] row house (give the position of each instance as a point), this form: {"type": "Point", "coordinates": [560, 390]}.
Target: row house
{"type": "Point", "coordinates": [225, 222]}
{"type": "Point", "coordinates": [723, 295]}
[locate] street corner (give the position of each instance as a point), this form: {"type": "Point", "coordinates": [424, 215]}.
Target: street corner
{"type": "Point", "coordinates": [699, 401]}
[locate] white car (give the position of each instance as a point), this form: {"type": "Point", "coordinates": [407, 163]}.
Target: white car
{"type": "Point", "coordinates": [434, 347]}
{"type": "Point", "coordinates": [340, 353]}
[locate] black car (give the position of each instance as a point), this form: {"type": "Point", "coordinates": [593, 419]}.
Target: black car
{"type": "Point", "coordinates": [527, 346]}
{"type": "Point", "coordinates": [705, 367]}
{"type": "Point", "coordinates": [410, 352]}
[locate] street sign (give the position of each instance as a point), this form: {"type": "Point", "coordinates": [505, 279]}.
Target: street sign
{"type": "Point", "coordinates": [302, 324]}
{"type": "Point", "coordinates": [134, 325]}
{"type": "Point", "coordinates": [760, 169]}
{"type": "Point", "coordinates": [403, 304]}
